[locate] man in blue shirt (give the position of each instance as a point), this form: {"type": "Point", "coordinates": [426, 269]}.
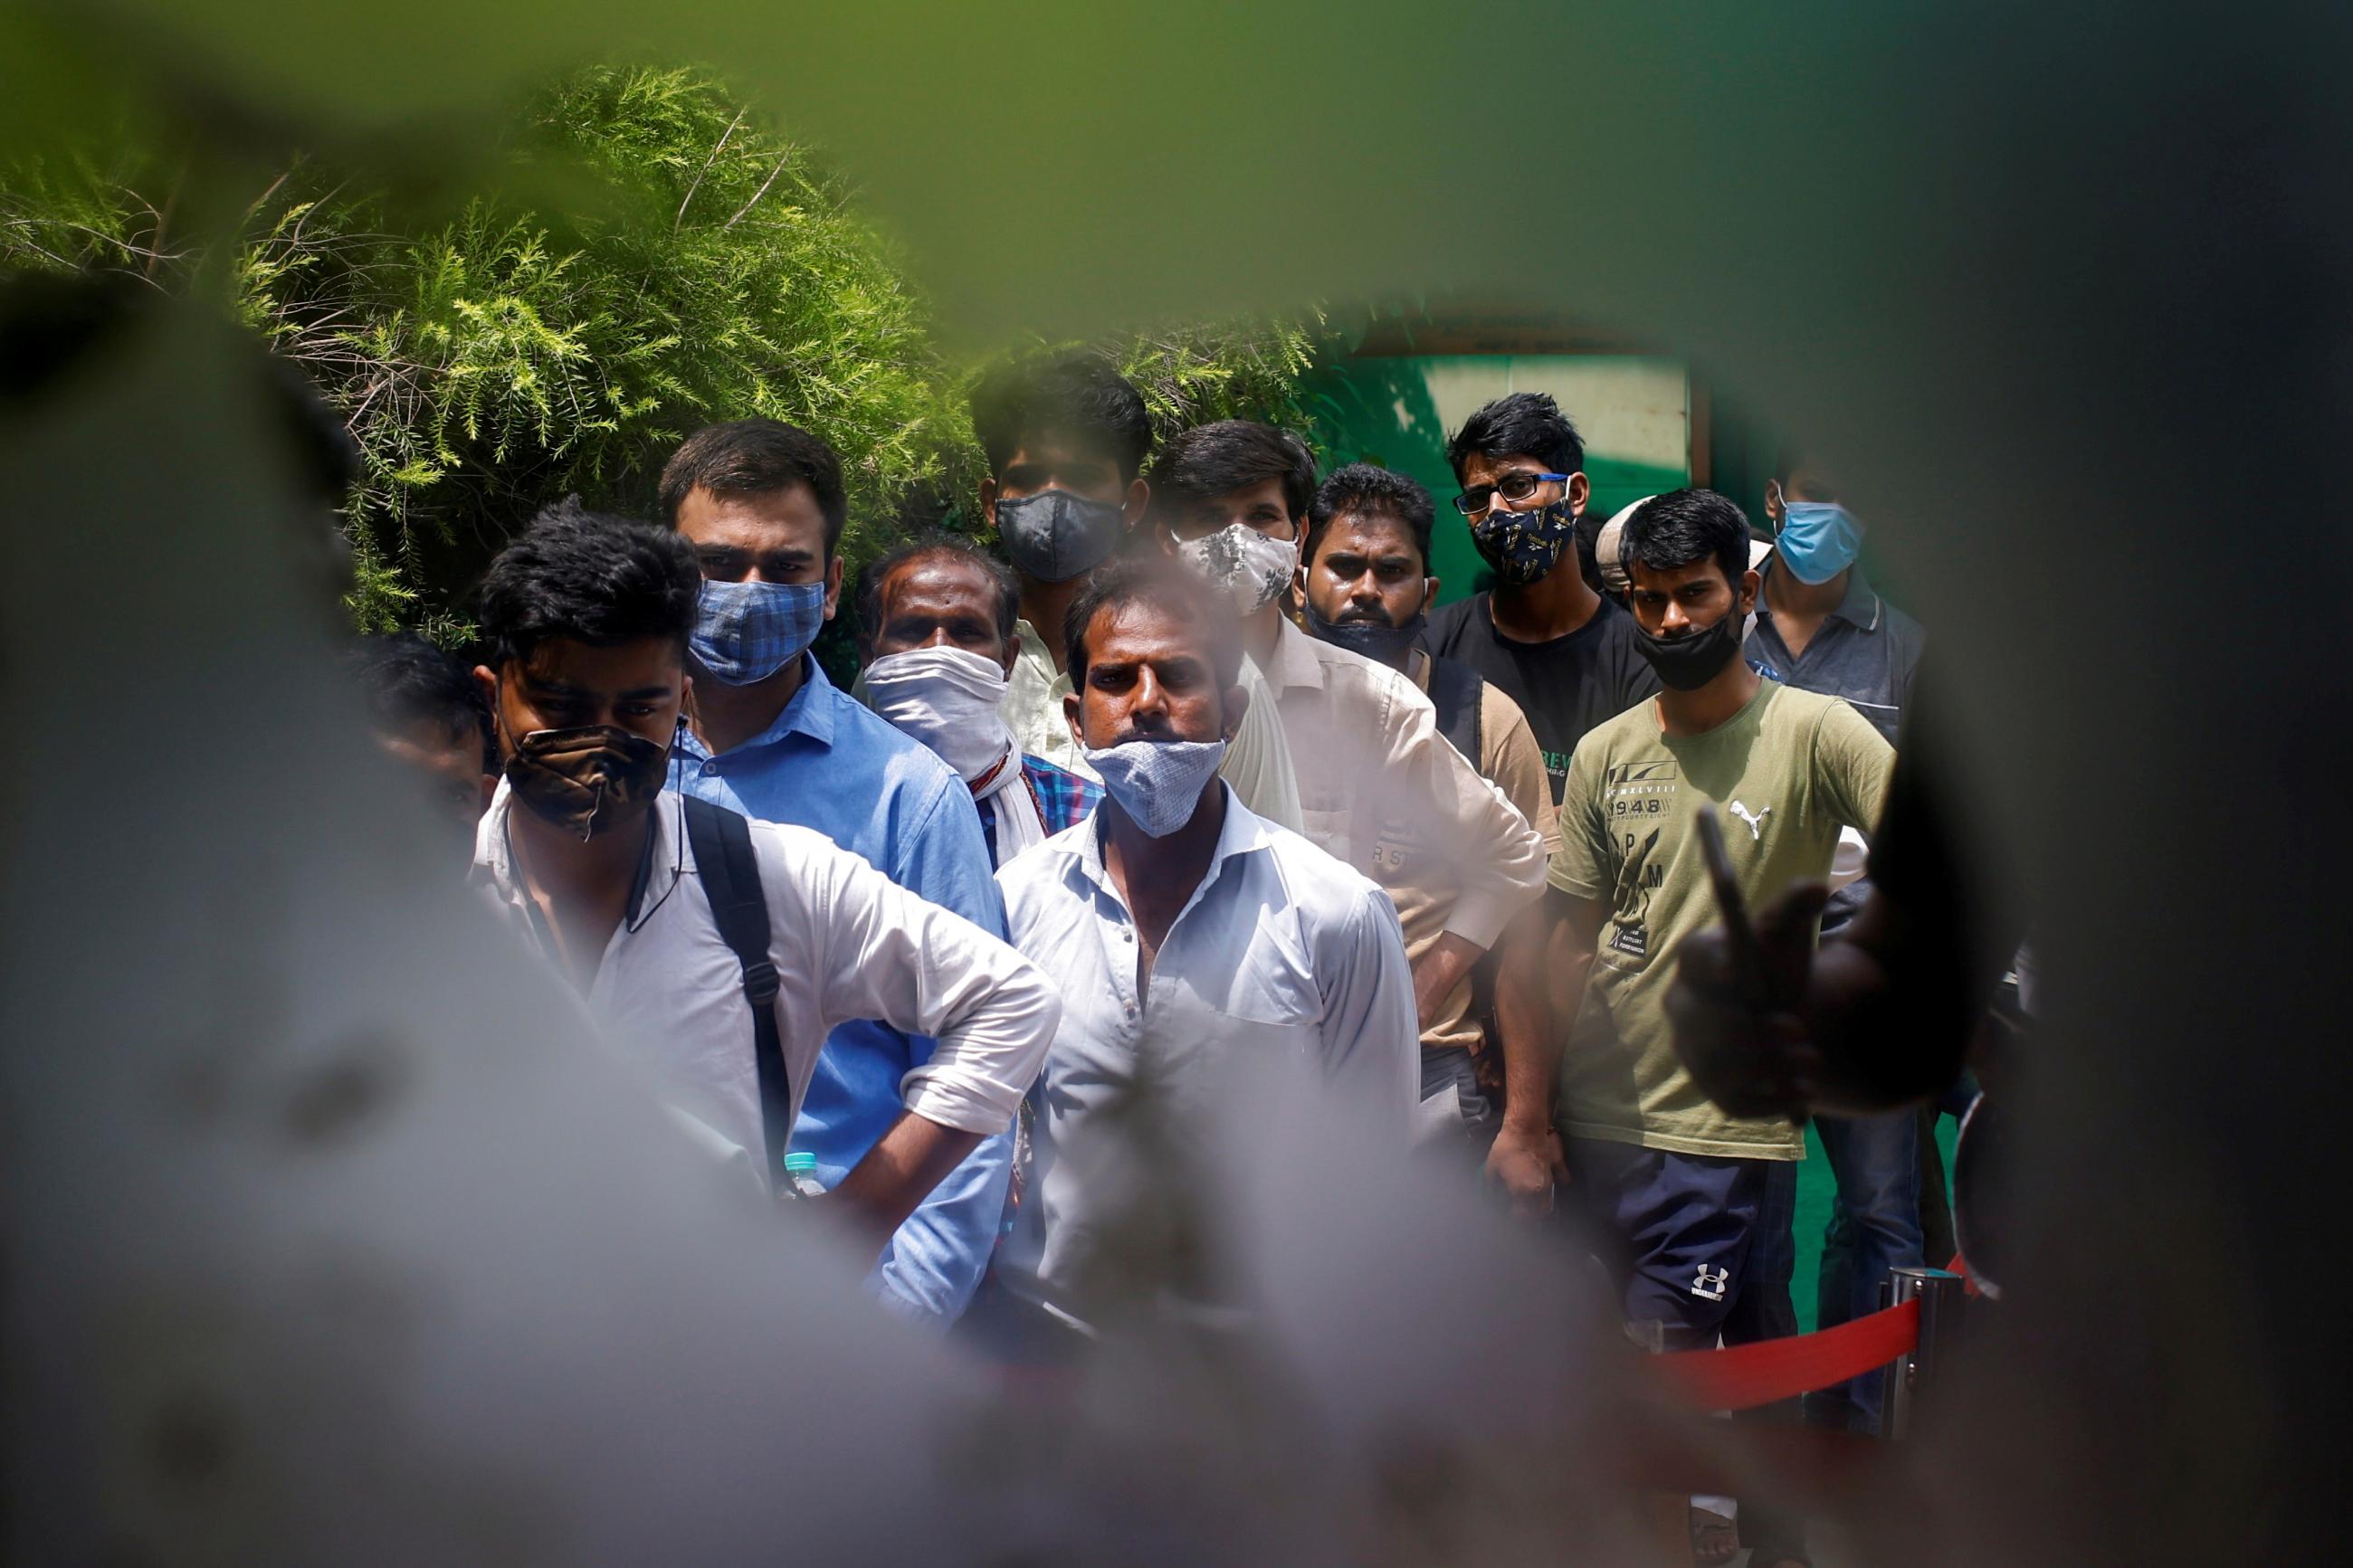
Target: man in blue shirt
{"type": "Point", "coordinates": [1822, 627]}
{"type": "Point", "coordinates": [767, 734]}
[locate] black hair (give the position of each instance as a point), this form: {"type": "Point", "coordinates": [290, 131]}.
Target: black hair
{"type": "Point", "coordinates": [1519, 423]}
{"type": "Point", "coordinates": [1675, 530]}
{"type": "Point", "coordinates": [757, 457]}
{"type": "Point", "coordinates": [1158, 582]}
{"type": "Point", "coordinates": [407, 680]}
{"type": "Point", "coordinates": [1366, 489]}
{"type": "Point", "coordinates": [1590, 524]}
{"type": "Point", "coordinates": [1001, 581]}
{"type": "Point", "coordinates": [1075, 394]}
{"type": "Point", "coordinates": [582, 575]}
{"type": "Point", "coordinates": [1210, 460]}
{"type": "Point", "coordinates": [1788, 457]}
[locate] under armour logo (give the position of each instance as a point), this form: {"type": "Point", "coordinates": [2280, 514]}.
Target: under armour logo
{"type": "Point", "coordinates": [1710, 1286]}
{"type": "Point", "coordinates": [1756, 819]}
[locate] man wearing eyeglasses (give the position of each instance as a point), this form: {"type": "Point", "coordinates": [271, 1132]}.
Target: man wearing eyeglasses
{"type": "Point", "coordinates": [1565, 654]}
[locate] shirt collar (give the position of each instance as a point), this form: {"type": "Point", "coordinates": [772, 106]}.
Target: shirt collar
{"type": "Point", "coordinates": [810, 713]}
{"type": "Point", "coordinates": [1032, 651]}
{"type": "Point", "coordinates": [1860, 606]}
{"type": "Point", "coordinates": [1296, 659]}
{"type": "Point", "coordinates": [1244, 832]}
{"type": "Point", "coordinates": [667, 853]}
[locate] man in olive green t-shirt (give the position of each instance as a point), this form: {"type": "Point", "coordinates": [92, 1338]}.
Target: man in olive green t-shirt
{"type": "Point", "coordinates": [1685, 1187]}
{"type": "Point", "coordinates": [1694, 1206]}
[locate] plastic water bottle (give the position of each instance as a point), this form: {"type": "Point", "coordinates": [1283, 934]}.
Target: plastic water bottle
{"type": "Point", "coordinates": [801, 1176]}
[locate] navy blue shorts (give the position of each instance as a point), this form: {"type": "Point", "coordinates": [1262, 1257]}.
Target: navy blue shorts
{"type": "Point", "coordinates": [1697, 1243]}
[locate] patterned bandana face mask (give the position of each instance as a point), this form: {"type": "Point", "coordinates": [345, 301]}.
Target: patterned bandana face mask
{"type": "Point", "coordinates": [1157, 784]}
{"type": "Point", "coordinates": [1523, 546]}
{"type": "Point", "coordinates": [746, 632]}
{"type": "Point", "coordinates": [1241, 565]}
{"type": "Point", "coordinates": [1055, 536]}
{"type": "Point", "coordinates": [587, 779]}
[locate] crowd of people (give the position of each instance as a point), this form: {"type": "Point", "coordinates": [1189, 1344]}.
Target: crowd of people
{"type": "Point", "coordinates": [1197, 773]}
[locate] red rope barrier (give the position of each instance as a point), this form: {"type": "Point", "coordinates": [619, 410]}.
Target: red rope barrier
{"type": "Point", "coordinates": [1740, 1377]}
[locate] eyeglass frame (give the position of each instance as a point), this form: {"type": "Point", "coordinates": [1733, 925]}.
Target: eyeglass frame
{"type": "Point", "coordinates": [1462, 502]}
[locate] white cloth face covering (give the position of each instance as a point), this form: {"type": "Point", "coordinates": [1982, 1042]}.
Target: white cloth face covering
{"type": "Point", "coordinates": [947, 697]}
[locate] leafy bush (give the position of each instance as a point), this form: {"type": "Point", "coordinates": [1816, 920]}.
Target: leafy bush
{"type": "Point", "coordinates": [491, 357]}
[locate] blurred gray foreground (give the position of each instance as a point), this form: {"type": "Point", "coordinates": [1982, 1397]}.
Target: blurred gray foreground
{"type": "Point", "coordinates": [334, 1233]}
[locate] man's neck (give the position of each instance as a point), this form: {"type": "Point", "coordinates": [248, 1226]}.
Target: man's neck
{"type": "Point", "coordinates": [1261, 632]}
{"type": "Point", "coordinates": [582, 886]}
{"type": "Point", "coordinates": [1553, 606]}
{"type": "Point", "coordinates": [1785, 595]}
{"type": "Point", "coordinates": [1156, 876]}
{"type": "Point", "coordinates": [1044, 605]}
{"type": "Point", "coordinates": [1697, 712]}
{"type": "Point", "coordinates": [726, 716]}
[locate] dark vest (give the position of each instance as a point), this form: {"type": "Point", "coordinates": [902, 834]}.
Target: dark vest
{"type": "Point", "coordinates": [1455, 690]}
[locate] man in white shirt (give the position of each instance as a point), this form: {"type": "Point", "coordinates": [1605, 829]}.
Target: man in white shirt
{"type": "Point", "coordinates": [1065, 435]}
{"type": "Point", "coordinates": [1379, 788]}
{"type": "Point", "coordinates": [1189, 937]}
{"type": "Point", "coordinates": [587, 619]}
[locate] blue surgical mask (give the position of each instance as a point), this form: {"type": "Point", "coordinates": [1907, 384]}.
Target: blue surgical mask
{"type": "Point", "coordinates": [1157, 783]}
{"type": "Point", "coordinates": [746, 632]}
{"type": "Point", "coordinates": [1817, 539]}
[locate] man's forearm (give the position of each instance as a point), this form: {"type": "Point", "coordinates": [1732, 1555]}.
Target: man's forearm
{"type": "Point", "coordinates": [914, 1156]}
{"type": "Point", "coordinates": [1444, 966]}
{"type": "Point", "coordinates": [1531, 1070]}
{"type": "Point", "coordinates": [1525, 1029]}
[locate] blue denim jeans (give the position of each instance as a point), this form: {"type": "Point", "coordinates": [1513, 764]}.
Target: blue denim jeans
{"type": "Point", "coordinates": [1874, 1227]}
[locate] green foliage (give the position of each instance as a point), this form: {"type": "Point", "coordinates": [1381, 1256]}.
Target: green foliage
{"type": "Point", "coordinates": [683, 262]}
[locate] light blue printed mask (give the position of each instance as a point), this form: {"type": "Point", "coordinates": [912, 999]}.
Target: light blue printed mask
{"type": "Point", "coordinates": [1817, 539]}
{"type": "Point", "coordinates": [1157, 783]}
{"type": "Point", "coordinates": [746, 632]}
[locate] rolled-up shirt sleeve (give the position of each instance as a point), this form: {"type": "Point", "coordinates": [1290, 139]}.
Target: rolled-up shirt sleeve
{"type": "Point", "coordinates": [1499, 857]}
{"type": "Point", "coordinates": [921, 969]}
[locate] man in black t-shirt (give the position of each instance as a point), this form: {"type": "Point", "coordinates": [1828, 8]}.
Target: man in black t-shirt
{"type": "Point", "coordinates": [1560, 651]}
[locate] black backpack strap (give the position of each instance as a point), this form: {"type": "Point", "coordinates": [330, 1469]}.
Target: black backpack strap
{"type": "Point", "coordinates": [730, 869]}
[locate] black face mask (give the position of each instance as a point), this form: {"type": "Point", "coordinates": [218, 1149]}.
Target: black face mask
{"type": "Point", "coordinates": [1055, 536]}
{"type": "Point", "coordinates": [587, 779]}
{"type": "Point", "coordinates": [1690, 661]}
{"type": "Point", "coordinates": [1376, 640]}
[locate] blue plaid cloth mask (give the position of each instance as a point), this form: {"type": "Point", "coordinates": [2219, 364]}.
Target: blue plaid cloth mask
{"type": "Point", "coordinates": [746, 632]}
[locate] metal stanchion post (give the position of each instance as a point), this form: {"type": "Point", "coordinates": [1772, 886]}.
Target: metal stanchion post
{"type": "Point", "coordinates": [1939, 1295]}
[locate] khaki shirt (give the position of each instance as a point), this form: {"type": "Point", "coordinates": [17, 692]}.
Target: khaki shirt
{"type": "Point", "coordinates": [1383, 791]}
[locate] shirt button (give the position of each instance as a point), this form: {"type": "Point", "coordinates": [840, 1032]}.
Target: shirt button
{"type": "Point", "coordinates": [709, 768]}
